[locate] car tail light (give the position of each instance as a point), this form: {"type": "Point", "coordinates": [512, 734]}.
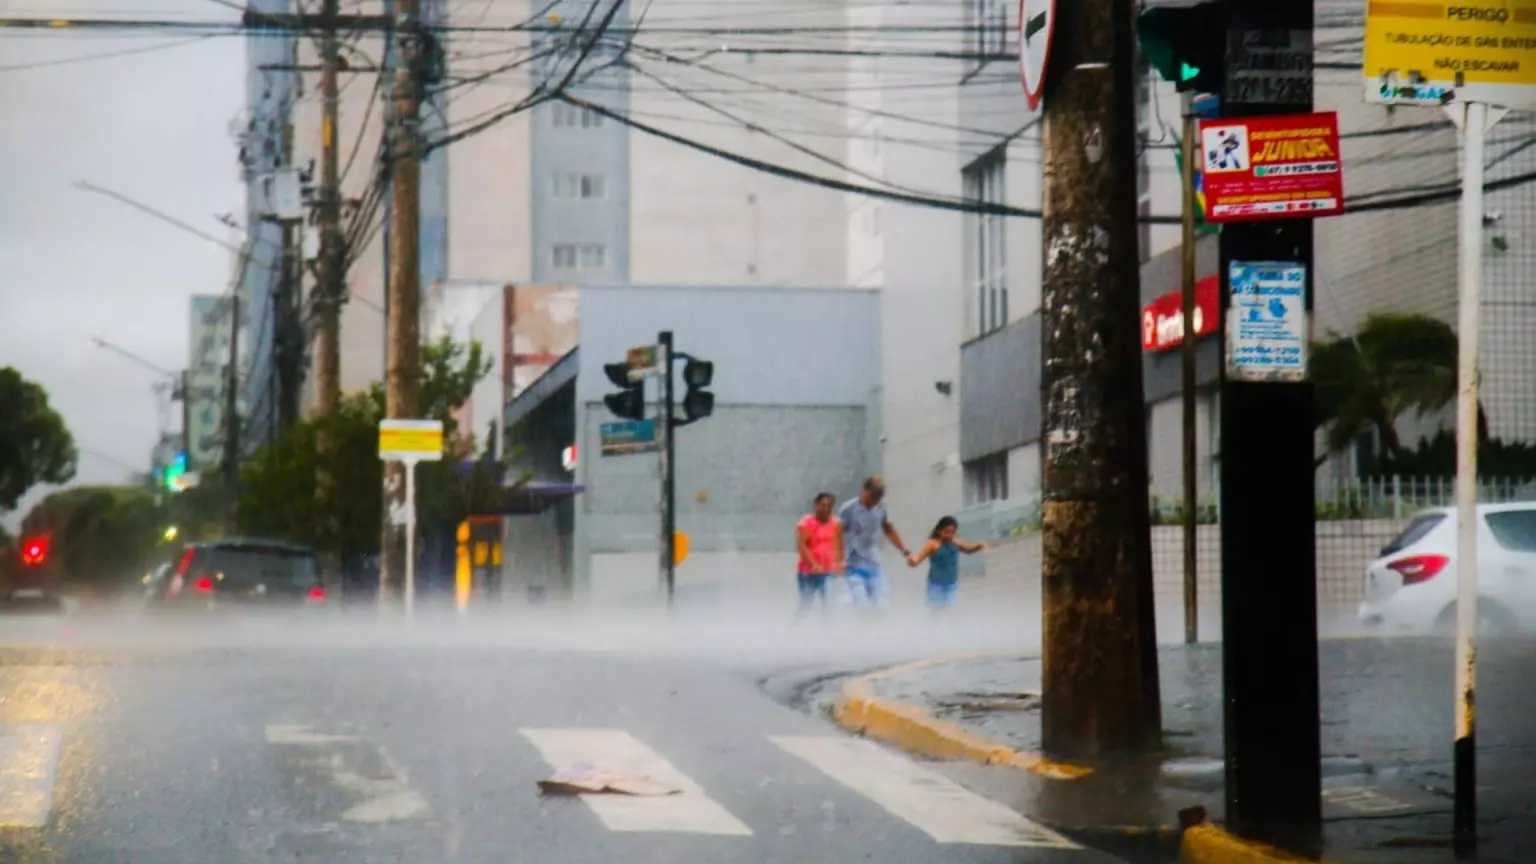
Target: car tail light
{"type": "Point", "coordinates": [1419, 568]}
{"type": "Point", "coordinates": [186, 562]}
{"type": "Point", "coordinates": [203, 584]}
{"type": "Point", "coordinates": [317, 593]}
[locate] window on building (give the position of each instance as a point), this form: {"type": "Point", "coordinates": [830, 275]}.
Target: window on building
{"type": "Point", "coordinates": [986, 479]}
{"type": "Point", "coordinates": [988, 20]}
{"type": "Point", "coordinates": [568, 116]}
{"type": "Point", "coordinates": [986, 235]}
{"type": "Point", "coordinates": [579, 256]}
{"type": "Point", "coordinates": [569, 185]}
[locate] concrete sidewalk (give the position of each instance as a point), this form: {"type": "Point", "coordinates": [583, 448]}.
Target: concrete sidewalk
{"type": "Point", "coordinates": [1386, 730]}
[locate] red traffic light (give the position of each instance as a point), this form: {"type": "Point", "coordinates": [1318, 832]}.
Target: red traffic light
{"type": "Point", "coordinates": [34, 551]}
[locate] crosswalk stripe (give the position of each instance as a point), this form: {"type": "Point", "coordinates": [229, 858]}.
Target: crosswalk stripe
{"type": "Point", "coordinates": [929, 801]}
{"type": "Point", "coordinates": [691, 811]}
{"type": "Point", "coordinates": [374, 782]}
{"type": "Point", "coordinates": [29, 767]}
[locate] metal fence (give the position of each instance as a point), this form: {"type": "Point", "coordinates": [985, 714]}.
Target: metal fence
{"type": "Point", "coordinates": [1355, 519]}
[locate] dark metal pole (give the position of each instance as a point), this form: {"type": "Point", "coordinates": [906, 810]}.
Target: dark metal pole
{"type": "Point", "coordinates": [668, 468]}
{"type": "Point", "coordinates": [1269, 599]}
{"type": "Point", "coordinates": [1187, 371]}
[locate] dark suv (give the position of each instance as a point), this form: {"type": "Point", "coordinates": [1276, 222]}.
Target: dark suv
{"type": "Point", "coordinates": [266, 574]}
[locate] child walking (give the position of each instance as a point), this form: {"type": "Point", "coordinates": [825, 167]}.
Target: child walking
{"type": "Point", "coordinates": [942, 551]}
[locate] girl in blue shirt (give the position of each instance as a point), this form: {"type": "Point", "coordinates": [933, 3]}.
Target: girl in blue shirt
{"type": "Point", "coordinates": [942, 551]}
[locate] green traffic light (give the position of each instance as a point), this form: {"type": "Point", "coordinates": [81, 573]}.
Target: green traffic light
{"type": "Point", "coordinates": [1188, 72]}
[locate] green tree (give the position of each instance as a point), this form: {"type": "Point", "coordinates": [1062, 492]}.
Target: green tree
{"type": "Point", "coordinates": [102, 537]}
{"type": "Point", "coordinates": [35, 445]}
{"type": "Point", "coordinates": [1395, 364]}
{"type": "Point", "coordinates": [277, 484]}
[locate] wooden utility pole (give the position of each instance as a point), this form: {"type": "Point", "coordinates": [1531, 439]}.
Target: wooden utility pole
{"type": "Point", "coordinates": [330, 285]}
{"type": "Point", "coordinates": [330, 288]}
{"type": "Point", "coordinates": [403, 372]}
{"type": "Point", "coordinates": [1101, 690]}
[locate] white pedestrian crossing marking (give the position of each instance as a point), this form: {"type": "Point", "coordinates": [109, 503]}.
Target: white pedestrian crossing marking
{"type": "Point", "coordinates": [926, 799]}
{"type": "Point", "coordinates": [691, 812]}
{"type": "Point", "coordinates": [370, 777]}
{"type": "Point", "coordinates": [29, 768]}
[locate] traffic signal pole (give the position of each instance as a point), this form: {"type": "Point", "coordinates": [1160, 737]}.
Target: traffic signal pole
{"type": "Point", "coordinates": [667, 451]}
{"type": "Point", "coordinates": [1269, 598]}
{"type": "Point", "coordinates": [1187, 347]}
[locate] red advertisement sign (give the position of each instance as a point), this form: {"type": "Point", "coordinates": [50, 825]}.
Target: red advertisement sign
{"type": "Point", "coordinates": [1284, 167]}
{"type": "Point", "coordinates": [1162, 322]}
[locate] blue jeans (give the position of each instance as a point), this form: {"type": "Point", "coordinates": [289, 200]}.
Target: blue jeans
{"type": "Point", "coordinates": [942, 594]}
{"type": "Point", "coordinates": [867, 584]}
{"type": "Point", "coordinates": [811, 585]}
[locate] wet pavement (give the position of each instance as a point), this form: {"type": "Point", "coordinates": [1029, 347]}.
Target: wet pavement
{"type": "Point", "coordinates": [1386, 736]}
{"type": "Point", "coordinates": [286, 744]}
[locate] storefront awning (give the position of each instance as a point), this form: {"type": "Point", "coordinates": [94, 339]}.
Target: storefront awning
{"type": "Point", "coordinates": [533, 497]}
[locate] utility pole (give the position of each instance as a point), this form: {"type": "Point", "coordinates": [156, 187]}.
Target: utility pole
{"type": "Point", "coordinates": [403, 371]}
{"type": "Point", "coordinates": [664, 429]}
{"type": "Point", "coordinates": [330, 284]}
{"type": "Point", "coordinates": [1101, 691]}
{"type": "Point", "coordinates": [1269, 600]}
{"type": "Point", "coordinates": [1187, 372]}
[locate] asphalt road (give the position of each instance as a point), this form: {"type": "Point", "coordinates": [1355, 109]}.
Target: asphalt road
{"type": "Point", "coordinates": [278, 747]}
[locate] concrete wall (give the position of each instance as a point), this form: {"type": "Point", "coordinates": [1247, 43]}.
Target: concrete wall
{"type": "Point", "coordinates": [794, 373]}
{"type": "Point", "coordinates": [1010, 573]}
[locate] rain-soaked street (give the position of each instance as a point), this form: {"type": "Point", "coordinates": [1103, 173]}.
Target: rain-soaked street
{"type": "Point", "coordinates": [343, 742]}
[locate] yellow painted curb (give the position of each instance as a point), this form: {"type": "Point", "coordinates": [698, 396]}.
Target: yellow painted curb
{"type": "Point", "coordinates": [911, 728]}
{"type": "Point", "coordinates": [1207, 844]}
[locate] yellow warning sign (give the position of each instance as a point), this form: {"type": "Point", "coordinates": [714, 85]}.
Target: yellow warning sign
{"type": "Point", "coordinates": [411, 440]}
{"type": "Point", "coordinates": [1425, 51]}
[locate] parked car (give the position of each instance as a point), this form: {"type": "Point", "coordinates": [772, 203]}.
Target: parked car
{"type": "Point", "coordinates": [237, 573]}
{"type": "Point", "coordinates": [1411, 586]}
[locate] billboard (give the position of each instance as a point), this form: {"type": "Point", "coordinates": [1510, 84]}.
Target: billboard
{"type": "Point", "coordinates": [1279, 167]}
{"type": "Point", "coordinates": [206, 364]}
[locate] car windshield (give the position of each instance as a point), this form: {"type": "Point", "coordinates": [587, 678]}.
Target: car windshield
{"type": "Point", "coordinates": [1417, 529]}
{"type": "Point", "coordinates": [268, 565]}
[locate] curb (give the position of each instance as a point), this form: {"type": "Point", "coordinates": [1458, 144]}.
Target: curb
{"type": "Point", "coordinates": [1206, 844]}
{"type": "Point", "coordinates": [911, 728]}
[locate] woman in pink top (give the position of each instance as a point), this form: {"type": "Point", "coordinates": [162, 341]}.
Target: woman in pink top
{"type": "Point", "coordinates": [818, 538]}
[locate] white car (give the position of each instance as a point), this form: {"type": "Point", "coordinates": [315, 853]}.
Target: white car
{"type": "Point", "coordinates": [1411, 587]}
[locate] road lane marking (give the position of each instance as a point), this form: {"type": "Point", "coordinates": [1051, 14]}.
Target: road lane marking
{"type": "Point", "coordinates": [375, 785]}
{"type": "Point", "coordinates": [29, 768]}
{"type": "Point", "coordinates": [1363, 799]}
{"type": "Point", "coordinates": [925, 799]}
{"type": "Point", "coordinates": [689, 812]}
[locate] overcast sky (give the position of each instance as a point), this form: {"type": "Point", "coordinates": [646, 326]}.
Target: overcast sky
{"type": "Point", "coordinates": [153, 126]}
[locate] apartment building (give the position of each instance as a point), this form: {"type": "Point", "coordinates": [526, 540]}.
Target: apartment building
{"type": "Point", "coordinates": [564, 193]}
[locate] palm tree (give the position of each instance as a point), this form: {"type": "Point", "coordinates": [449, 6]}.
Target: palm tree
{"type": "Point", "coordinates": [1394, 364]}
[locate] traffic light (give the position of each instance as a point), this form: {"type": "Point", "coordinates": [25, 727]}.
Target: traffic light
{"type": "Point", "coordinates": [629, 402]}
{"type": "Point", "coordinates": [1186, 42]}
{"type": "Point", "coordinates": [175, 473]}
{"type": "Point", "coordinates": [698, 402]}
{"type": "Point", "coordinates": [34, 551]}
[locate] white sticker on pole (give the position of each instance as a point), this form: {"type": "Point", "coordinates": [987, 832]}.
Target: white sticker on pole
{"type": "Point", "coordinates": [1267, 328]}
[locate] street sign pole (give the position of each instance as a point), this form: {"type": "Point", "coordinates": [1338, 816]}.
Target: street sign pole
{"type": "Point", "coordinates": [1187, 371]}
{"type": "Point", "coordinates": [1475, 120]}
{"type": "Point", "coordinates": [410, 539]}
{"type": "Point", "coordinates": [409, 442]}
{"type": "Point", "coordinates": [1477, 67]}
{"type": "Point", "coordinates": [1269, 601]}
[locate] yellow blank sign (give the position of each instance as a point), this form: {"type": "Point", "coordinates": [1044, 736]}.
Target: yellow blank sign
{"type": "Point", "coordinates": [679, 547]}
